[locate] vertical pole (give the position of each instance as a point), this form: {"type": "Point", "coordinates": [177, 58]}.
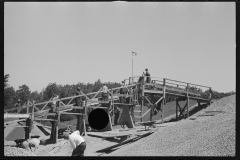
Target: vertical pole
{"type": "Point", "coordinates": [27, 128]}
{"type": "Point", "coordinates": [32, 118]}
{"type": "Point", "coordinates": [176, 109]}
{"type": "Point", "coordinates": [210, 96]}
{"type": "Point", "coordinates": [112, 107]}
{"type": "Point", "coordinates": [132, 68]}
{"type": "Point", "coordinates": [164, 88]}
{"type": "Point", "coordinates": [187, 101]}
{"type": "Point", "coordinates": [84, 115]}
{"type": "Point", "coordinates": [142, 99]}
{"type": "Point", "coordinates": [187, 107]}
{"type": "Point", "coordinates": [27, 107]}
{"type": "Point", "coordinates": [58, 120]}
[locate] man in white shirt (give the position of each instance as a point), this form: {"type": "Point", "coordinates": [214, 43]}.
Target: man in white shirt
{"type": "Point", "coordinates": [30, 144]}
{"type": "Point", "coordinates": [105, 93]}
{"type": "Point", "coordinates": [77, 142]}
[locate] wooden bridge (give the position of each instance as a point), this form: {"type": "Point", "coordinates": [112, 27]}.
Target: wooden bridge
{"type": "Point", "coordinates": [139, 94]}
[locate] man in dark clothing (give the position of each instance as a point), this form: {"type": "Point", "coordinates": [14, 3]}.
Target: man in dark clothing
{"type": "Point", "coordinates": [147, 74]}
{"type": "Point", "coordinates": [122, 91]}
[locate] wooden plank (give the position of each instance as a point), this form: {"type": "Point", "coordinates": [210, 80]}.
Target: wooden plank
{"type": "Point", "coordinates": [93, 101]}
{"type": "Point", "coordinates": [44, 119]}
{"type": "Point", "coordinates": [103, 135]}
{"type": "Point", "coordinates": [137, 111]}
{"type": "Point", "coordinates": [8, 115]}
{"type": "Point", "coordinates": [124, 104]}
{"type": "Point", "coordinates": [146, 112]}
{"type": "Point", "coordinates": [148, 100]}
{"type": "Point", "coordinates": [138, 117]}
{"type": "Point", "coordinates": [97, 107]}
{"type": "Point", "coordinates": [153, 91]}
{"type": "Point", "coordinates": [71, 113]}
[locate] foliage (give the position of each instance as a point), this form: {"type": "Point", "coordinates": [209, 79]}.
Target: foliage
{"type": "Point", "coordinates": [23, 93]}
{"type": "Point", "coordinates": [9, 97]}
{"type": "Point", "coordinates": [6, 81]}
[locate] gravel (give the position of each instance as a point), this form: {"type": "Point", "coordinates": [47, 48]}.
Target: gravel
{"type": "Point", "coordinates": [204, 136]}
{"type": "Point", "coordinates": [15, 151]}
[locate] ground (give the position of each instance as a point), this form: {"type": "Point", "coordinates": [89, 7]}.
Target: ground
{"type": "Point", "coordinates": [199, 135]}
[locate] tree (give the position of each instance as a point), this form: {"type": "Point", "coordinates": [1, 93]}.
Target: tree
{"type": "Point", "coordinates": [35, 96]}
{"type": "Point", "coordinates": [9, 97]}
{"type": "Point", "coordinates": [49, 90]}
{"type": "Point", "coordinates": [6, 81]}
{"type": "Point", "coordinates": [23, 93]}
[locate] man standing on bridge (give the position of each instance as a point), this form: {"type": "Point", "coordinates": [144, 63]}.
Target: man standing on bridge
{"type": "Point", "coordinates": [105, 93]}
{"type": "Point", "coordinates": [148, 80]}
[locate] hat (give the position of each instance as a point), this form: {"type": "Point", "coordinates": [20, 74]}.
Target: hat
{"type": "Point", "coordinates": [146, 69]}
{"type": "Point", "coordinates": [66, 135]}
{"type": "Point", "coordinates": [18, 100]}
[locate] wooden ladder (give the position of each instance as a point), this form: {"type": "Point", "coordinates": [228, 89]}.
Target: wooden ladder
{"type": "Point", "coordinates": [137, 113]}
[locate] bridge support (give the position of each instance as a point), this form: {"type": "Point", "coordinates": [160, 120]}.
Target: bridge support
{"type": "Point", "coordinates": [182, 110]}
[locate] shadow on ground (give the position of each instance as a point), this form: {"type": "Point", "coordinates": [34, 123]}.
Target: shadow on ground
{"type": "Point", "coordinates": [193, 111]}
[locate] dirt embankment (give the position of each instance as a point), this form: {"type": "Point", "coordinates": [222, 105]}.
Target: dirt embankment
{"type": "Point", "coordinates": [202, 134]}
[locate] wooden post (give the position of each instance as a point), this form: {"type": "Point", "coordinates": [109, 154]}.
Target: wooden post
{"type": "Point", "coordinates": [164, 88]}
{"type": "Point", "coordinates": [84, 116]}
{"type": "Point", "coordinates": [187, 107]}
{"type": "Point", "coordinates": [32, 118]}
{"type": "Point", "coordinates": [57, 122]}
{"type": "Point", "coordinates": [187, 101]}
{"type": "Point", "coordinates": [143, 86]}
{"type": "Point", "coordinates": [27, 128]}
{"type": "Point", "coordinates": [27, 107]}
{"type": "Point", "coordinates": [210, 96]}
{"type": "Point", "coordinates": [112, 107]}
{"type": "Point", "coordinates": [151, 114]}
{"type": "Point", "coordinates": [176, 109]}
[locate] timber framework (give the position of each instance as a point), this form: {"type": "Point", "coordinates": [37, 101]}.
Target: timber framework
{"type": "Point", "coordinates": [140, 94]}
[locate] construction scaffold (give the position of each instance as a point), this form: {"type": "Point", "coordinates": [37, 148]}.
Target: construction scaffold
{"type": "Point", "coordinates": [134, 100]}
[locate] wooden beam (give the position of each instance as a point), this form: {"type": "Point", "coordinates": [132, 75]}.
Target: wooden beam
{"type": "Point", "coordinates": [159, 100]}
{"type": "Point", "coordinates": [146, 112]}
{"type": "Point", "coordinates": [43, 119]}
{"type": "Point", "coordinates": [71, 113]}
{"type": "Point", "coordinates": [148, 100]}
{"type": "Point", "coordinates": [84, 95]}
{"type": "Point", "coordinates": [45, 105]}
{"type": "Point", "coordinates": [97, 93]}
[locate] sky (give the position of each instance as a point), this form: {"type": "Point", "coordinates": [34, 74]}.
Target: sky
{"type": "Point", "coordinates": [72, 42]}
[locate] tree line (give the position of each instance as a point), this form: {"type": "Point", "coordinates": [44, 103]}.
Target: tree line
{"type": "Point", "coordinates": [23, 93]}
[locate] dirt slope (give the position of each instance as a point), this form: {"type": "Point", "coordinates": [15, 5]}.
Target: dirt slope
{"type": "Point", "coordinates": [195, 136]}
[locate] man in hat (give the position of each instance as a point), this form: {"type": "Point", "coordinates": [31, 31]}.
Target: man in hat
{"type": "Point", "coordinates": [122, 91]}
{"type": "Point", "coordinates": [148, 80]}
{"type": "Point", "coordinates": [77, 142]}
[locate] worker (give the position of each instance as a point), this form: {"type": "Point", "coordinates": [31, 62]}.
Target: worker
{"type": "Point", "coordinates": [54, 109]}
{"type": "Point", "coordinates": [78, 100]}
{"type": "Point", "coordinates": [105, 93]}
{"type": "Point", "coordinates": [30, 144]}
{"type": "Point", "coordinates": [122, 91]}
{"type": "Point", "coordinates": [77, 142]}
{"type": "Point", "coordinates": [148, 80]}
